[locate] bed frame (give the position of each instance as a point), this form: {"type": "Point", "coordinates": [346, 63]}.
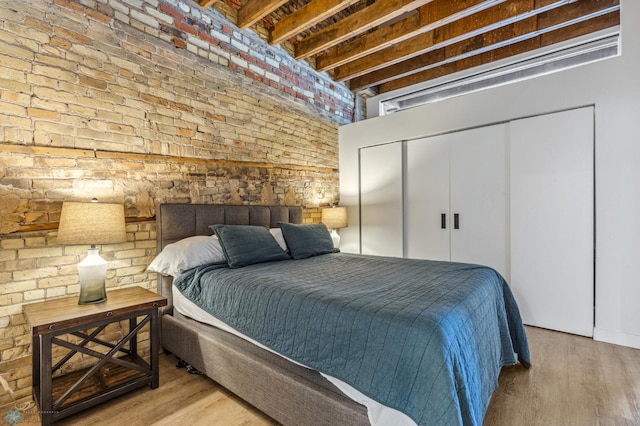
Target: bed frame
{"type": "Point", "coordinates": [289, 393]}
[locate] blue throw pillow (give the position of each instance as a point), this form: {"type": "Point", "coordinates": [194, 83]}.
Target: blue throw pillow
{"type": "Point", "coordinates": [307, 240]}
{"type": "Point", "coordinates": [245, 245]}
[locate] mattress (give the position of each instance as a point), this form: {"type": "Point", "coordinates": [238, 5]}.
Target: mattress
{"type": "Point", "coordinates": [378, 414]}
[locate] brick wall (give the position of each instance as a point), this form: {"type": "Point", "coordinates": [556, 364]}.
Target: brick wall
{"type": "Point", "coordinates": [141, 102]}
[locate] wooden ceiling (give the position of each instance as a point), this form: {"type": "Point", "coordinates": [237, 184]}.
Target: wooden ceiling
{"type": "Point", "coordinates": [383, 45]}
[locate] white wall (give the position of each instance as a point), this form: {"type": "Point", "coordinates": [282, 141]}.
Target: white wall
{"type": "Point", "coordinates": [613, 86]}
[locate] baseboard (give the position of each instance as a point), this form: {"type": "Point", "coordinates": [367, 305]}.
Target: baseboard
{"type": "Point", "coordinates": [617, 338]}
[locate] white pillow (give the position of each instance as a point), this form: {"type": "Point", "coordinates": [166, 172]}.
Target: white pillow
{"type": "Point", "coordinates": [188, 253]}
{"type": "Point", "coordinates": [277, 234]}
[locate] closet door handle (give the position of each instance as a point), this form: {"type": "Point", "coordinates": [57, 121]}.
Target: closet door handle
{"type": "Point", "coordinates": [456, 221]}
{"type": "Point", "coordinates": [443, 221]}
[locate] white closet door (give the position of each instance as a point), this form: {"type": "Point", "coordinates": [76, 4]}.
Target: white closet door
{"type": "Point", "coordinates": [427, 198]}
{"type": "Point", "coordinates": [552, 241]}
{"type": "Point", "coordinates": [478, 196]}
{"type": "Point", "coordinates": [381, 200]}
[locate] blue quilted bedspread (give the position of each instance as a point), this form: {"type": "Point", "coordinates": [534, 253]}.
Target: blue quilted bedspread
{"type": "Point", "coordinates": [426, 338]}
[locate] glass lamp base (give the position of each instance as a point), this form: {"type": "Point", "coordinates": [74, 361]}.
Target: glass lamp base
{"type": "Point", "coordinates": [93, 272]}
{"type": "Point", "coordinates": [336, 238]}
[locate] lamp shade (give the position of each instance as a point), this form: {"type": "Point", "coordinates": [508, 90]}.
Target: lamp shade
{"type": "Point", "coordinates": [334, 217]}
{"type": "Point", "coordinates": [91, 223]}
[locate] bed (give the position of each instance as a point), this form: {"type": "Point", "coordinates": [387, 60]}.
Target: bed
{"type": "Point", "coordinates": [299, 371]}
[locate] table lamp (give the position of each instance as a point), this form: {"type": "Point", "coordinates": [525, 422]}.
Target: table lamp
{"type": "Point", "coordinates": [335, 218]}
{"type": "Point", "coordinates": [92, 223]}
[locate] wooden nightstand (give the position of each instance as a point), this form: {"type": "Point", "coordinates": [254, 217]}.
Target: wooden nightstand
{"type": "Point", "coordinates": [110, 376]}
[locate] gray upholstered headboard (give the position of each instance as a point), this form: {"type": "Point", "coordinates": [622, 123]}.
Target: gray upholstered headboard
{"type": "Point", "coordinates": [177, 221]}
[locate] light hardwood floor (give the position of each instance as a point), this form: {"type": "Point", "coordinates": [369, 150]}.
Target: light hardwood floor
{"type": "Point", "coordinates": [573, 381]}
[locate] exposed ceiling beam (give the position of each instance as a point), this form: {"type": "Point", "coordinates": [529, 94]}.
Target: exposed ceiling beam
{"type": "Point", "coordinates": [254, 10]}
{"type": "Point", "coordinates": [428, 17]}
{"type": "Point", "coordinates": [560, 34]}
{"type": "Point", "coordinates": [486, 20]}
{"type": "Point", "coordinates": [394, 43]}
{"type": "Point", "coordinates": [354, 24]}
{"type": "Point", "coordinates": [515, 32]}
{"type": "Point", "coordinates": [206, 3]}
{"type": "Point", "coordinates": [305, 17]}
